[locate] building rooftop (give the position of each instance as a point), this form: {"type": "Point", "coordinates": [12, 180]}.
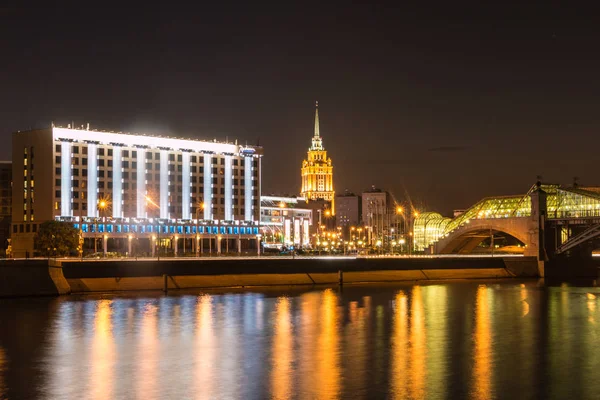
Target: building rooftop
{"type": "Point", "coordinates": [99, 136]}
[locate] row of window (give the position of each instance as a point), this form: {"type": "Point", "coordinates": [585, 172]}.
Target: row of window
{"type": "Point", "coordinates": [28, 183]}
{"type": "Point", "coordinates": [125, 154]}
{"type": "Point", "coordinates": [24, 228]}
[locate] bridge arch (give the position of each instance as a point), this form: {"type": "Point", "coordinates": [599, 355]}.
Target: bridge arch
{"type": "Point", "coordinates": [466, 237]}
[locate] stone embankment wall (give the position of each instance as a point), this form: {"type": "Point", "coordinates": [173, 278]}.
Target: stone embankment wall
{"type": "Point", "coordinates": [49, 277]}
{"type": "Point", "coordinates": [100, 276]}
{"type": "Point", "coordinates": [31, 278]}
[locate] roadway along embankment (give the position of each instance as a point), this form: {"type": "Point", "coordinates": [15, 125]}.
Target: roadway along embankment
{"type": "Point", "coordinates": [125, 275]}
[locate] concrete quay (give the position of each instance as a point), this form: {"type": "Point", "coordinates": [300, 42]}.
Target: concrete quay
{"type": "Point", "coordinates": [41, 277]}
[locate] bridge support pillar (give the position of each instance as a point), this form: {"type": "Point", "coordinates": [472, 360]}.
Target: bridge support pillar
{"type": "Point", "coordinates": [539, 212]}
{"type": "Point", "coordinates": [541, 268]}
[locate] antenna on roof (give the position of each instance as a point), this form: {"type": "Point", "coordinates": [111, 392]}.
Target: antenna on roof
{"type": "Point", "coordinates": [575, 181]}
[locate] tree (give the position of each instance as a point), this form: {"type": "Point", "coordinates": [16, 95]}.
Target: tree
{"type": "Point", "coordinates": [55, 238]}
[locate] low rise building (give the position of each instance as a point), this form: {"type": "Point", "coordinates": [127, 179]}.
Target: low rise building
{"type": "Point", "coordinates": [348, 213]}
{"type": "Point", "coordinates": [286, 222]}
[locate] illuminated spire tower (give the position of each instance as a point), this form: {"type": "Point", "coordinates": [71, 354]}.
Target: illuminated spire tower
{"type": "Point", "coordinates": [317, 170]}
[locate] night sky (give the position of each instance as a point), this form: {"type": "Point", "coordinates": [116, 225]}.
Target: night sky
{"type": "Point", "coordinates": [447, 105]}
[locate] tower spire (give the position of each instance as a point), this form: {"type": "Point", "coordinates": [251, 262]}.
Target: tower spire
{"type": "Point", "coordinates": [316, 119]}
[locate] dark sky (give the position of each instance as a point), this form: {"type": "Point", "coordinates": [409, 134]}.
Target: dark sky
{"type": "Point", "coordinates": [446, 104]}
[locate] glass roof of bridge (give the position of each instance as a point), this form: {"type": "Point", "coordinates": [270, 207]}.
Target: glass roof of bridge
{"type": "Point", "coordinates": [568, 202]}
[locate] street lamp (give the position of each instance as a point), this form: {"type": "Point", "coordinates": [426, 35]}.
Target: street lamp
{"type": "Point", "coordinates": [102, 205]}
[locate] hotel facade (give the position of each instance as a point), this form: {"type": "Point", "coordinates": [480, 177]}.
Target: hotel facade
{"type": "Point", "coordinates": [317, 170]}
{"type": "Point", "coordinates": [136, 194]}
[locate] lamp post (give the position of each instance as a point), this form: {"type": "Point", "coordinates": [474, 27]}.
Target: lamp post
{"type": "Point", "coordinates": [400, 212]}
{"type": "Point", "coordinates": [198, 240]}
{"type": "Point", "coordinates": [151, 202]}
{"type": "Point", "coordinates": [102, 205]}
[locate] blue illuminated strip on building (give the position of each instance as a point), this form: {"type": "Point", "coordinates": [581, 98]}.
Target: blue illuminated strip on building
{"type": "Point", "coordinates": [92, 182]}
{"type": "Point", "coordinates": [65, 180]}
{"type": "Point", "coordinates": [179, 229]}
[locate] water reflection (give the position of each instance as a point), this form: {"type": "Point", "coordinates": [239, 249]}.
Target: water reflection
{"type": "Point", "coordinates": [102, 353]}
{"type": "Point", "coordinates": [355, 350]}
{"type": "Point", "coordinates": [307, 353]}
{"type": "Point", "coordinates": [282, 355]}
{"type": "Point", "coordinates": [400, 366]}
{"type": "Point", "coordinates": [148, 354]}
{"type": "Point", "coordinates": [417, 351]}
{"type": "Point", "coordinates": [436, 339]}
{"type": "Point", "coordinates": [452, 340]}
{"type": "Point", "coordinates": [204, 349]}
{"type": "Point", "coordinates": [483, 346]}
{"type": "Point", "coordinates": [328, 375]}
{"type": "Point", "coordinates": [3, 361]}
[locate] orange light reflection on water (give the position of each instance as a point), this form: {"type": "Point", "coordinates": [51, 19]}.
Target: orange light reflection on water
{"type": "Point", "coordinates": [308, 373]}
{"type": "Point", "coordinates": [399, 347]}
{"type": "Point", "coordinates": [2, 368]}
{"type": "Point", "coordinates": [205, 349]}
{"type": "Point", "coordinates": [103, 353]}
{"type": "Point", "coordinates": [328, 376]}
{"type": "Point", "coordinates": [282, 354]}
{"type": "Point", "coordinates": [418, 350]}
{"type": "Point", "coordinates": [483, 346]}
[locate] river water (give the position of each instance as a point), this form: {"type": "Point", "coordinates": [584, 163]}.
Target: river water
{"type": "Point", "coordinates": [479, 340]}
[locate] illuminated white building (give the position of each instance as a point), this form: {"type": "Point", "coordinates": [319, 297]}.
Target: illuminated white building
{"type": "Point", "coordinates": [181, 194]}
{"type": "Point", "coordinates": [286, 221]}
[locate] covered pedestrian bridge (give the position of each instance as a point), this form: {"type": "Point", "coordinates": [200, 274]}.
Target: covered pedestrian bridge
{"type": "Point", "coordinates": [507, 217]}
